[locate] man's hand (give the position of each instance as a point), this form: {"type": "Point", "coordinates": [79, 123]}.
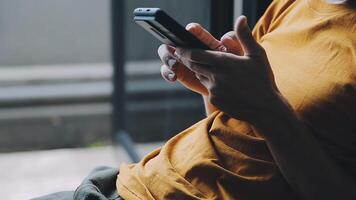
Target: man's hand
{"type": "Point", "coordinates": [240, 85]}
{"type": "Point", "coordinates": [172, 68]}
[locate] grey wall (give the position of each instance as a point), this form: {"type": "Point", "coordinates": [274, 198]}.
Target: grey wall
{"type": "Point", "coordinates": [41, 32]}
{"type": "Point", "coordinates": [53, 31]}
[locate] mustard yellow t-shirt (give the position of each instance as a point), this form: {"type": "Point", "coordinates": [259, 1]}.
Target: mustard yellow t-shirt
{"type": "Point", "coordinates": [311, 46]}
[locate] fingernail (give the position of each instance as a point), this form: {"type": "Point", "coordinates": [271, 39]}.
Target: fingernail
{"type": "Point", "coordinates": [171, 76]}
{"type": "Point", "coordinates": [189, 26]}
{"type": "Point", "coordinates": [223, 49]}
{"type": "Point", "coordinates": [176, 54]}
{"type": "Point", "coordinates": [171, 62]}
{"type": "Point", "coordinates": [192, 27]}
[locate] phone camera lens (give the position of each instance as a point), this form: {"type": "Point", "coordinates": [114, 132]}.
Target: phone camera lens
{"type": "Point", "coordinates": [148, 10]}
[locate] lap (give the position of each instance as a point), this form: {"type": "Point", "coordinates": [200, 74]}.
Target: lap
{"type": "Point", "coordinates": [100, 184]}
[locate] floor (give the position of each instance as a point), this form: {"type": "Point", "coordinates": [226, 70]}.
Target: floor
{"type": "Point", "coordinates": [24, 175]}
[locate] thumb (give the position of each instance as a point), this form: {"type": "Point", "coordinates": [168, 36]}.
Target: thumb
{"type": "Point", "coordinates": [247, 41]}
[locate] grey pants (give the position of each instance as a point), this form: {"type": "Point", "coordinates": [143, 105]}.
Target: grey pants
{"type": "Point", "coordinates": [100, 184]}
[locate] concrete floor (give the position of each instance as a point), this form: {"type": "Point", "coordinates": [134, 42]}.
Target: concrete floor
{"type": "Point", "coordinates": [24, 175]}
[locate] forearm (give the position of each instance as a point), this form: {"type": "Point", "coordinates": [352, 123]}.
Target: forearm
{"type": "Point", "coordinates": [209, 108]}
{"type": "Point", "coordinates": [301, 159]}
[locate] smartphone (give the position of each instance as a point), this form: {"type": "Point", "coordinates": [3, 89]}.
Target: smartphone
{"type": "Point", "coordinates": [166, 29]}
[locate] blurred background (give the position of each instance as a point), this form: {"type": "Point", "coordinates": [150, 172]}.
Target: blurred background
{"type": "Point", "coordinates": [80, 87]}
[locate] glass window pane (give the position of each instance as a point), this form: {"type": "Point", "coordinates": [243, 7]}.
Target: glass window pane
{"type": "Point", "coordinates": [158, 110]}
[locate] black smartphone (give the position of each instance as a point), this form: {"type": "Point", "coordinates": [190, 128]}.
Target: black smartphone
{"type": "Point", "coordinates": [166, 29]}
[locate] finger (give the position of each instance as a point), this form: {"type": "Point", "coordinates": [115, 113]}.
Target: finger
{"type": "Point", "coordinates": [199, 56]}
{"type": "Point", "coordinates": [201, 78]}
{"type": "Point", "coordinates": [168, 74]}
{"type": "Point", "coordinates": [166, 54]}
{"type": "Point", "coordinates": [197, 68]}
{"type": "Point", "coordinates": [248, 42]}
{"type": "Point", "coordinates": [205, 81]}
{"type": "Point", "coordinates": [232, 44]}
{"type": "Point", "coordinates": [204, 36]}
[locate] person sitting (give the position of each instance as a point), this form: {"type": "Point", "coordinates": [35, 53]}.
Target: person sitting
{"type": "Point", "coordinates": [281, 105]}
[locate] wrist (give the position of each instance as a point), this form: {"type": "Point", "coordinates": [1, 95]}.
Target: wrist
{"type": "Point", "coordinates": [278, 112]}
{"type": "Point", "coordinates": [209, 108]}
